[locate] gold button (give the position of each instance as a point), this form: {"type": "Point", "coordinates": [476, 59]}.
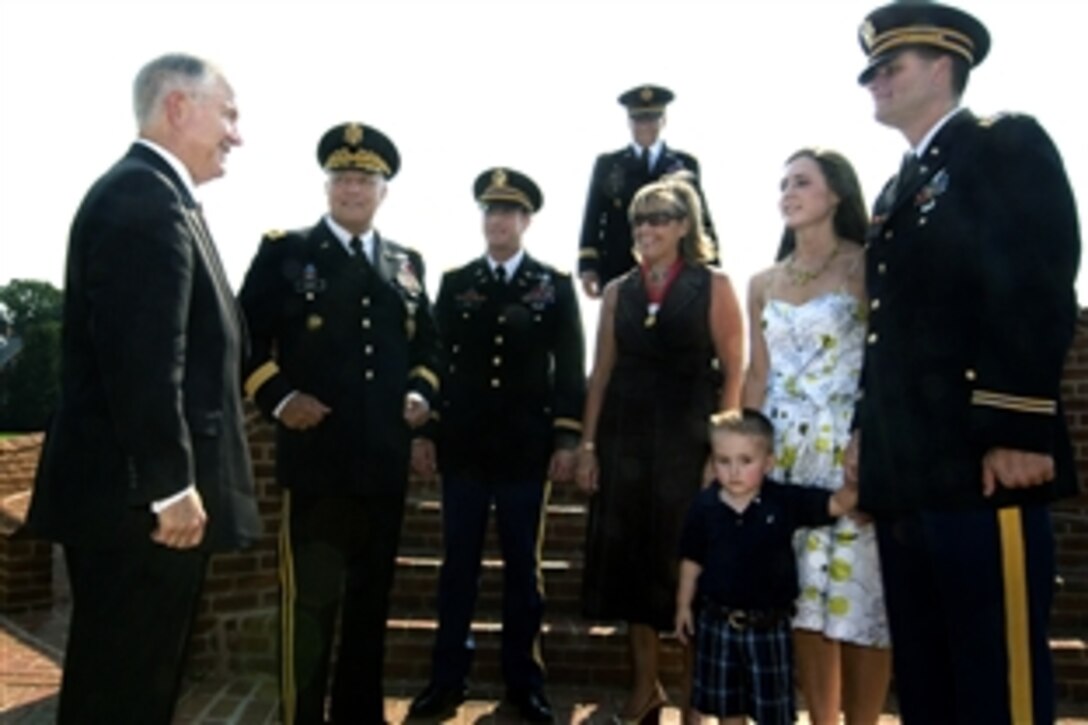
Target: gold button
{"type": "Point", "coordinates": [496, 361]}
{"type": "Point", "coordinates": [453, 368]}
{"type": "Point", "coordinates": [366, 302]}
{"type": "Point", "coordinates": [889, 234]}
{"type": "Point", "coordinates": [923, 169]}
{"type": "Point", "coordinates": [369, 349]}
{"type": "Point", "coordinates": [495, 382]}
{"type": "Point", "coordinates": [875, 304]}
{"type": "Point", "coordinates": [498, 339]}
{"type": "Point", "coordinates": [970, 374]}
{"type": "Point", "coordinates": [921, 221]}
{"type": "Point", "coordinates": [366, 323]}
{"type": "Point", "coordinates": [881, 268]}
{"type": "Point", "coordinates": [369, 374]}
{"type": "Point", "coordinates": [934, 151]}
{"type": "Point", "coordinates": [872, 338]}
{"type": "Point", "coordinates": [537, 318]}
{"type": "Point", "coordinates": [464, 315]}
{"type": "Point", "coordinates": [502, 319]}
{"type": "Point", "coordinates": [456, 348]}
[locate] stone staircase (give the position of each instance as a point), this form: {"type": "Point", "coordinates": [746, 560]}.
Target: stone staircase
{"type": "Point", "coordinates": [593, 654]}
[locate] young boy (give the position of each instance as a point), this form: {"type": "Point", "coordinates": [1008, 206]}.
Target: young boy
{"type": "Point", "coordinates": [737, 550]}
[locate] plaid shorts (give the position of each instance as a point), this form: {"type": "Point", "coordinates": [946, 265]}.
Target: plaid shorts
{"type": "Point", "coordinates": [743, 671]}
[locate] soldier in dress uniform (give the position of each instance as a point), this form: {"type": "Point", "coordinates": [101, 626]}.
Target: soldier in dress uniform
{"type": "Point", "coordinates": [973, 252]}
{"type": "Point", "coordinates": [344, 359]}
{"type": "Point", "coordinates": [605, 249]}
{"type": "Point", "coordinates": [509, 423]}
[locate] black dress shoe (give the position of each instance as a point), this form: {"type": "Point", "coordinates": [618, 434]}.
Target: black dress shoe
{"type": "Point", "coordinates": [437, 701]}
{"type": "Point", "coordinates": [532, 705]}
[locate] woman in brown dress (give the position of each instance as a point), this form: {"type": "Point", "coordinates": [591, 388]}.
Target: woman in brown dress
{"type": "Point", "coordinates": [669, 353]}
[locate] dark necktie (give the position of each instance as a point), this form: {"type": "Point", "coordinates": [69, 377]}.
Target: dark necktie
{"type": "Point", "coordinates": [500, 274]}
{"type": "Point", "coordinates": [908, 171]}
{"type": "Point", "coordinates": [647, 160]}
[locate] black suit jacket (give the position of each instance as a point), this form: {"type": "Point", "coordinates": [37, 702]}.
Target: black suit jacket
{"type": "Point", "coordinates": [606, 241]}
{"type": "Point", "coordinates": [356, 336]}
{"type": "Point", "coordinates": [970, 275]}
{"type": "Point", "coordinates": [150, 369]}
{"type": "Point", "coordinates": [515, 376]}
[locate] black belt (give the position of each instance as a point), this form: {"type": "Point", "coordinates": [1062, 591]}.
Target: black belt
{"type": "Point", "coordinates": [747, 618]}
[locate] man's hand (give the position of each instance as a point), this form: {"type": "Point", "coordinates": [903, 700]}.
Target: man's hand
{"type": "Point", "coordinates": [416, 410]}
{"type": "Point", "coordinates": [424, 462]}
{"type": "Point", "coordinates": [303, 411]}
{"type": "Point", "coordinates": [181, 524]}
{"type": "Point", "coordinates": [1012, 468]}
{"type": "Point", "coordinates": [591, 284]}
{"type": "Point", "coordinates": [561, 468]}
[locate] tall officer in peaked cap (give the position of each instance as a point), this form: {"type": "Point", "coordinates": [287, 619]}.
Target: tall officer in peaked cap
{"type": "Point", "coordinates": [604, 251]}
{"type": "Point", "coordinates": [973, 251]}
{"type": "Point", "coordinates": [509, 423]}
{"type": "Point", "coordinates": [344, 361]}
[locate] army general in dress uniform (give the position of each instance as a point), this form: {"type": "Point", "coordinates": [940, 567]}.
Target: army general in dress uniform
{"type": "Point", "coordinates": [973, 251]}
{"type": "Point", "coordinates": [345, 354]}
{"type": "Point", "coordinates": [509, 423]}
{"type": "Point", "coordinates": [605, 249]}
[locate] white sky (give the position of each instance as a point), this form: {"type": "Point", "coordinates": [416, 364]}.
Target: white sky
{"type": "Point", "coordinates": [466, 84]}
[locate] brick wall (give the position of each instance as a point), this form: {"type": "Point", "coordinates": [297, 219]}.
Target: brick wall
{"type": "Point", "coordinates": [26, 567]}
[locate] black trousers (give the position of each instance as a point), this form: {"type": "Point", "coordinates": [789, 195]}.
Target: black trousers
{"type": "Point", "coordinates": [968, 596]}
{"type": "Point", "coordinates": [519, 510]}
{"type": "Point", "coordinates": [337, 553]}
{"type": "Point", "coordinates": [132, 613]}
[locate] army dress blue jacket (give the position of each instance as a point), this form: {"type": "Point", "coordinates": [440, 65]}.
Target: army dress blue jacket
{"type": "Point", "coordinates": [514, 379]}
{"type": "Point", "coordinates": [970, 271]}
{"type": "Point", "coordinates": [356, 336]}
{"type": "Point", "coordinates": [606, 240]}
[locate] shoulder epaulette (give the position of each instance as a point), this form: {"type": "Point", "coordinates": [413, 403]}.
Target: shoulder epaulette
{"type": "Point", "coordinates": [274, 234]}
{"type": "Point", "coordinates": [992, 120]}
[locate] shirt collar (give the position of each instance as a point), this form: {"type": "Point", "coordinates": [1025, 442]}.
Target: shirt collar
{"type": "Point", "coordinates": [345, 237]}
{"type": "Point", "coordinates": [655, 149]}
{"type": "Point", "coordinates": [511, 265]}
{"type": "Point", "coordinates": [175, 164]}
{"type": "Point", "coordinates": [924, 143]}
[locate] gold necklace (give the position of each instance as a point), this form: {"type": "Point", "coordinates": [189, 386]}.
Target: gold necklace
{"type": "Point", "coordinates": [801, 277]}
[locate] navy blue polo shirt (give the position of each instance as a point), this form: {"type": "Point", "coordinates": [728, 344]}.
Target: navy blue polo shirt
{"type": "Point", "coordinates": [747, 557]}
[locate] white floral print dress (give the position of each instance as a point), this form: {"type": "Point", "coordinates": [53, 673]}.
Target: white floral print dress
{"type": "Point", "coordinates": [815, 359]}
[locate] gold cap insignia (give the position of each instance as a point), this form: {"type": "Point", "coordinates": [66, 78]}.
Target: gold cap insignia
{"type": "Point", "coordinates": [868, 33]}
{"type": "Point", "coordinates": [353, 134]}
{"type": "Point", "coordinates": [498, 178]}
{"type": "Point", "coordinates": [646, 94]}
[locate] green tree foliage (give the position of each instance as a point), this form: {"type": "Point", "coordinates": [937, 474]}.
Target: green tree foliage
{"type": "Point", "coordinates": [31, 301]}
{"type": "Point", "coordinates": [30, 383]}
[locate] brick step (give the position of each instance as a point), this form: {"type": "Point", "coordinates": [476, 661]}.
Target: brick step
{"type": "Point", "coordinates": [564, 528]}
{"type": "Point", "coordinates": [575, 652]}
{"type": "Point", "coordinates": [1070, 668]}
{"type": "Point", "coordinates": [561, 493]}
{"type": "Point", "coordinates": [416, 584]}
{"type": "Point", "coordinates": [1070, 611]}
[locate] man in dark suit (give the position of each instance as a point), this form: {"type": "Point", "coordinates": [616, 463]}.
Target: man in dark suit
{"type": "Point", "coordinates": [605, 249]}
{"type": "Point", "coordinates": [145, 468]}
{"type": "Point", "coordinates": [344, 360]}
{"type": "Point", "coordinates": [510, 422]}
{"type": "Point", "coordinates": [973, 251]}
